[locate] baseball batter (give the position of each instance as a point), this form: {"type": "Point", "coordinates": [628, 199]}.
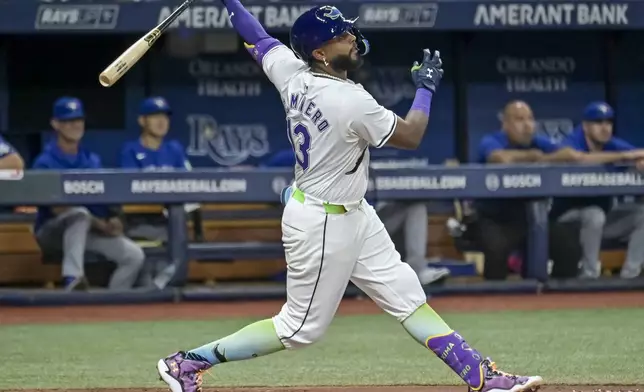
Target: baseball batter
{"type": "Point", "coordinates": [330, 234]}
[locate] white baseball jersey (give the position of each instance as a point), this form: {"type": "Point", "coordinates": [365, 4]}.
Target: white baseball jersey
{"type": "Point", "coordinates": [331, 123]}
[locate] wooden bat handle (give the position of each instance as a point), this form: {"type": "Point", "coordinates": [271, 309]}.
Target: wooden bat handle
{"type": "Point", "coordinates": [125, 61]}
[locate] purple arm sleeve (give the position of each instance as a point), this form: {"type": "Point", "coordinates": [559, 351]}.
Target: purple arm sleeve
{"type": "Point", "coordinates": [258, 42]}
{"type": "Point", "coordinates": [422, 101]}
{"type": "Point", "coordinates": [245, 23]}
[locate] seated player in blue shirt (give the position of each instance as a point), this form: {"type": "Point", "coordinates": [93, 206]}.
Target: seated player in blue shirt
{"type": "Point", "coordinates": [75, 229]}
{"type": "Point", "coordinates": [9, 157]}
{"type": "Point", "coordinates": [152, 152]}
{"type": "Point", "coordinates": [516, 142]}
{"type": "Point", "coordinates": [412, 217]}
{"type": "Point", "coordinates": [501, 225]}
{"type": "Point", "coordinates": [597, 217]}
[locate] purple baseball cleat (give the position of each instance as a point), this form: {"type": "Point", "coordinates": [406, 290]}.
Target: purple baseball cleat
{"type": "Point", "coordinates": [498, 381]}
{"type": "Point", "coordinates": [182, 374]}
{"type": "Point", "coordinates": [478, 372]}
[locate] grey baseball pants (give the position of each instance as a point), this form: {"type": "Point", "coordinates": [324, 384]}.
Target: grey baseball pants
{"type": "Point", "coordinates": [626, 221]}
{"type": "Point", "coordinates": [70, 232]}
{"type": "Point", "coordinates": [414, 219]}
{"type": "Point", "coordinates": [156, 273]}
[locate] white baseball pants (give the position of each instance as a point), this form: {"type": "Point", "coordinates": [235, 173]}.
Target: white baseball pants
{"type": "Point", "coordinates": [323, 252]}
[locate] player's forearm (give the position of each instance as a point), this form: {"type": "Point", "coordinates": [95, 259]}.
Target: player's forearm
{"type": "Point", "coordinates": [568, 154]}
{"type": "Point", "coordinates": [245, 23]}
{"type": "Point", "coordinates": [418, 115]}
{"type": "Point", "coordinates": [12, 162]}
{"type": "Point", "coordinates": [602, 157]}
{"type": "Point", "coordinates": [514, 156]}
{"type": "Point", "coordinates": [562, 155]}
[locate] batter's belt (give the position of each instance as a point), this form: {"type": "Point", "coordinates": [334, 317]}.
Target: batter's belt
{"type": "Point", "coordinates": [329, 208]}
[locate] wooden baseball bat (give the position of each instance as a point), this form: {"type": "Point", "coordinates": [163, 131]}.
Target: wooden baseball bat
{"type": "Point", "coordinates": [127, 59]}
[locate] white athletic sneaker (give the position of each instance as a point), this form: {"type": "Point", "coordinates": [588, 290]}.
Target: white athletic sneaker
{"type": "Point", "coordinates": [431, 275]}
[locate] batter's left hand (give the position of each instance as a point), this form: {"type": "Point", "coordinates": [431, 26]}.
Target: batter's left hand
{"type": "Point", "coordinates": [429, 73]}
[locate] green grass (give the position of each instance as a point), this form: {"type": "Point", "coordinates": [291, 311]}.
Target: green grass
{"type": "Point", "coordinates": [566, 347]}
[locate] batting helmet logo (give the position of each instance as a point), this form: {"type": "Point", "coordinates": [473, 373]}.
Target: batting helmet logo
{"type": "Point", "coordinates": [332, 13]}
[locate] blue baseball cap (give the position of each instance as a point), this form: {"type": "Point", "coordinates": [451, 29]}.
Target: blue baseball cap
{"type": "Point", "coordinates": [68, 108]}
{"type": "Point", "coordinates": [598, 111]}
{"type": "Point", "coordinates": [154, 105]}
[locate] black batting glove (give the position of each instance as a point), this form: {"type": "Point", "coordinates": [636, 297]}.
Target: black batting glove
{"type": "Point", "coordinates": [429, 73]}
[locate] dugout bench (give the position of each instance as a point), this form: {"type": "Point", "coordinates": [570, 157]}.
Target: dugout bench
{"type": "Point", "coordinates": [238, 242]}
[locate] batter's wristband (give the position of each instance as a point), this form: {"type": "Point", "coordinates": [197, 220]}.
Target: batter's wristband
{"type": "Point", "coordinates": [422, 101]}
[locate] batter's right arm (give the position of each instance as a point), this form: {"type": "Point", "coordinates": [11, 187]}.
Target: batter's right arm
{"type": "Point", "coordinates": [283, 62]}
{"type": "Point", "coordinates": [409, 132]}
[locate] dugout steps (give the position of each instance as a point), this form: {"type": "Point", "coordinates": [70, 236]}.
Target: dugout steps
{"type": "Point", "coordinates": [242, 292]}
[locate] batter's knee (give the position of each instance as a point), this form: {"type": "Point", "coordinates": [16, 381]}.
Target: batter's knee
{"type": "Point", "coordinates": [593, 217]}
{"type": "Point", "coordinates": [297, 333]}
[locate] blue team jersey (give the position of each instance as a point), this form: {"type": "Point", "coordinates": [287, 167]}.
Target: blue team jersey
{"type": "Point", "coordinates": [52, 158]}
{"type": "Point", "coordinates": [169, 156]}
{"type": "Point", "coordinates": [577, 141]}
{"type": "Point", "coordinates": [499, 141]}
{"type": "Point", "coordinates": [507, 209]}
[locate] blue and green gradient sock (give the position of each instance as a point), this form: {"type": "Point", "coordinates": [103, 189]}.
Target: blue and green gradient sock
{"type": "Point", "coordinates": [254, 340]}
{"type": "Point", "coordinates": [430, 330]}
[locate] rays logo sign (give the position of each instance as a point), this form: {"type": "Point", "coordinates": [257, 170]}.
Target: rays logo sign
{"type": "Point", "coordinates": [226, 144]}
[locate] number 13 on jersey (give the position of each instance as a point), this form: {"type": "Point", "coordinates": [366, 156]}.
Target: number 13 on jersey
{"type": "Point", "coordinates": [300, 138]}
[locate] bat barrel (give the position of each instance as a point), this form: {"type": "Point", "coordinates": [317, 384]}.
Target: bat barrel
{"type": "Point", "coordinates": [104, 80]}
{"type": "Point", "coordinates": [114, 71]}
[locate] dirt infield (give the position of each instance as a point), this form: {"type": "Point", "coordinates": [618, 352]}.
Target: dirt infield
{"type": "Point", "coordinates": [209, 310]}
{"type": "Point", "coordinates": [191, 311]}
